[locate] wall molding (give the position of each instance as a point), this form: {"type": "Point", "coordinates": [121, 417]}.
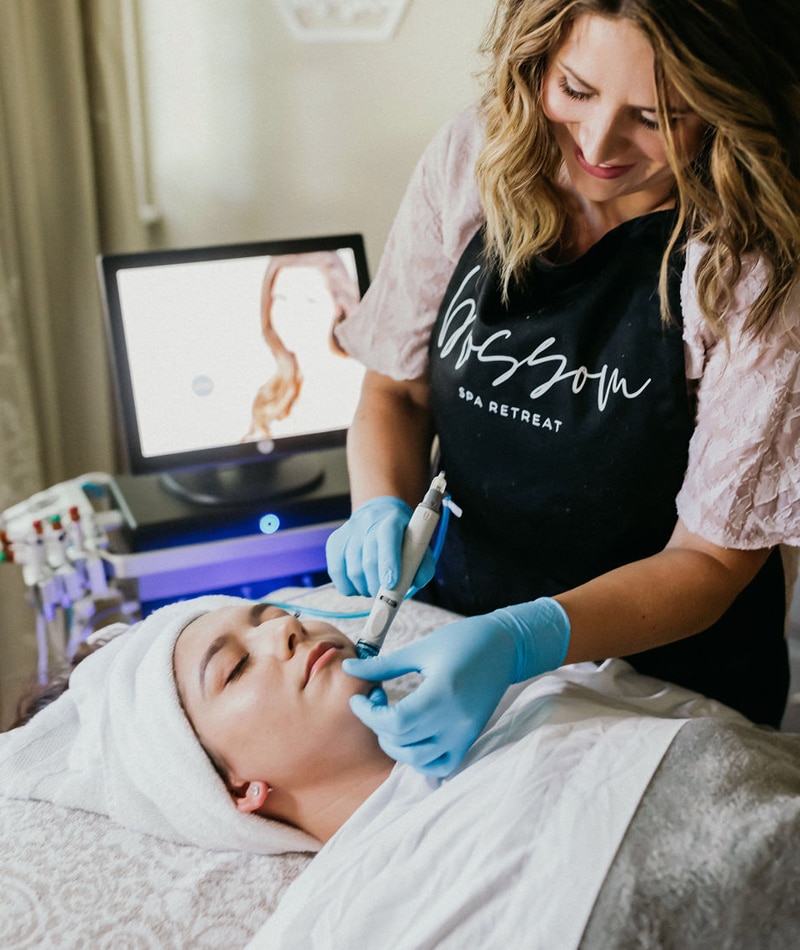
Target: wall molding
{"type": "Point", "coordinates": [342, 21]}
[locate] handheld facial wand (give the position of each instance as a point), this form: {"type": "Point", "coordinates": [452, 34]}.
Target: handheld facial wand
{"type": "Point", "coordinates": [416, 538]}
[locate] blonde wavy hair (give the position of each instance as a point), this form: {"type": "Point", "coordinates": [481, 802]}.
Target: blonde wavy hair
{"type": "Point", "coordinates": [734, 62]}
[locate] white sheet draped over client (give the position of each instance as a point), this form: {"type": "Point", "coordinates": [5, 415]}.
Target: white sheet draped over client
{"type": "Point", "coordinates": [513, 848]}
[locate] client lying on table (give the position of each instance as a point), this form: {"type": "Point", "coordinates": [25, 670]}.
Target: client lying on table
{"type": "Point", "coordinates": [227, 725]}
{"type": "Point", "coordinates": [574, 812]}
{"type": "Point", "coordinates": [244, 687]}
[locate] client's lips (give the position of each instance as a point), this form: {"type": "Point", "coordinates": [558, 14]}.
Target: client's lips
{"type": "Point", "coordinates": [319, 656]}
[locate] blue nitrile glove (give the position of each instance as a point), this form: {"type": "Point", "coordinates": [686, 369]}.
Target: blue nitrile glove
{"type": "Point", "coordinates": [467, 666]}
{"type": "Point", "coordinates": [364, 553]}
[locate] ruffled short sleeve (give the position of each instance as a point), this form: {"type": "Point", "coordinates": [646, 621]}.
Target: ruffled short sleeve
{"type": "Point", "coordinates": [742, 484]}
{"type": "Point", "coordinates": [440, 212]}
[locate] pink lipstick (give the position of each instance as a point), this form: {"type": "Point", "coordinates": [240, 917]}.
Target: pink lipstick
{"type": "Point", "coordinates": [606, 172]}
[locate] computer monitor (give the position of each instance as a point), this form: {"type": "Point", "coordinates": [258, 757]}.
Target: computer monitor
{"type": "Point", "coordinates": [227, 373]}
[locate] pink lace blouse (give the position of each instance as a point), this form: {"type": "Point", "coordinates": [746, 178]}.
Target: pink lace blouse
{"type": "Point", "coordinates": [742, 484]}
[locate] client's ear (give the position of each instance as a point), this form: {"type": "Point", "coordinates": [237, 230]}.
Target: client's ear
{"type": "Point", "coordinates": [250, 796]}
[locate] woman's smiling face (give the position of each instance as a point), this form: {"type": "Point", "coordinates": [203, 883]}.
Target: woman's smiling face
{"type": "Point", "coordinates": [599, 94]}
{"type": "Point", "coordinates": [267, 696]}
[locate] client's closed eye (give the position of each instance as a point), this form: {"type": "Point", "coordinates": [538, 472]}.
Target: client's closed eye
{"type": "Point", "coordinates": [237, 671]}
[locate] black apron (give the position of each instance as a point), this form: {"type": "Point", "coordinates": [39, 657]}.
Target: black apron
{"type": "Point", "coordinates": [564, 423]}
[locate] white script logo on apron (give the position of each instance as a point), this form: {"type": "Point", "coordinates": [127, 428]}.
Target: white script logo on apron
{"type": "Point", "coordinates": [456, 327]}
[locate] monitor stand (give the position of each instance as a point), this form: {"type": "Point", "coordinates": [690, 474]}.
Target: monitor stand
{"type": "Point", "coordinates": [246, 484]}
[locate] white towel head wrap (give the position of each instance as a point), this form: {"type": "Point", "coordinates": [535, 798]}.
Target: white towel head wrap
{"type": "Point", "coordinates": [117, 742]}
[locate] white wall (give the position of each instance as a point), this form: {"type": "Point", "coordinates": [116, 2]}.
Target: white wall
{"type": "Point", "coordinates": [254, 135]}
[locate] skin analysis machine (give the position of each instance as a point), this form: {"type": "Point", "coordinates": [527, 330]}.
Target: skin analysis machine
{"type": "Point", "coordinates": [234, 403]}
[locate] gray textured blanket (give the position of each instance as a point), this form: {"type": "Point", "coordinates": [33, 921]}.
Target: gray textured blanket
{"type": "Point", "coordinates": [712, 858]}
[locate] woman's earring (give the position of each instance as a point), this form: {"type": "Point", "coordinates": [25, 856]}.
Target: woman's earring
{"type": "Point", "coordinates": [255, 790]}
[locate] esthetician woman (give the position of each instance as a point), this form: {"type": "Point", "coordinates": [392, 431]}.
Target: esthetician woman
{"type": "Point", "coordinates": [589, 297]}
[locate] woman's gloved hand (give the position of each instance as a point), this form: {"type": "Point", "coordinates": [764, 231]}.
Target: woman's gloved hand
{"type": "Point", "coordinates": [467, 666]}
{"type": "Point", "coordinates": [363, 555]}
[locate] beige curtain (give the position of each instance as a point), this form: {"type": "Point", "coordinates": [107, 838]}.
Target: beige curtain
{"type": "Point", "coordinates": [65, 196]}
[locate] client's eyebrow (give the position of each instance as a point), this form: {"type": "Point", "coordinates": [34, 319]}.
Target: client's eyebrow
{"type": "Point", "coordinates": [258, 610]}
{"type": "Point", "coordinates": [213, 649]}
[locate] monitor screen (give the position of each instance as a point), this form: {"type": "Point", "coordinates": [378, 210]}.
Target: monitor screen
{"type": "Point", "coordinates": [225, 356]}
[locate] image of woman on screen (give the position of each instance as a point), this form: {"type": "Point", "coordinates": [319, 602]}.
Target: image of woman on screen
{"type": "Point", "coordinates": [331, 294]}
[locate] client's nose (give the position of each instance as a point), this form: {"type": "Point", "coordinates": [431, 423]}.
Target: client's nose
{"type": "Point", "coordinates": [282, 635]}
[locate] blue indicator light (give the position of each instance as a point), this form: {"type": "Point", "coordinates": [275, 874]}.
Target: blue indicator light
{"type": "Point", "coordinates": [269, 524]}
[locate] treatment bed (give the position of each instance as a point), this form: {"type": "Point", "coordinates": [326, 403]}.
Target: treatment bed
{"type": "Point", "coordinates": [708, 857]}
